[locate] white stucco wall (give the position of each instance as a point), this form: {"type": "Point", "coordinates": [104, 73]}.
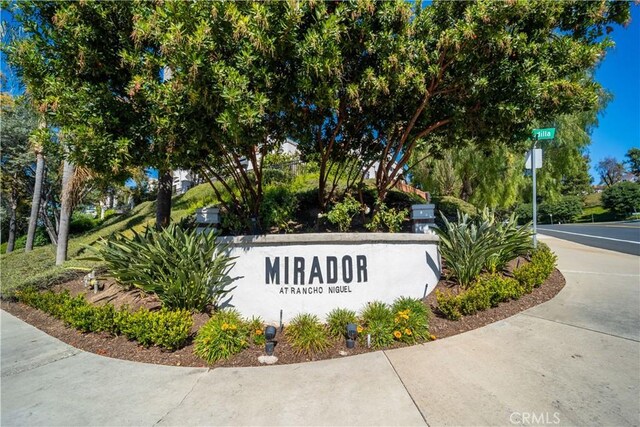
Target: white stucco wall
{"type": "Point", "coordinates": [385, 266]}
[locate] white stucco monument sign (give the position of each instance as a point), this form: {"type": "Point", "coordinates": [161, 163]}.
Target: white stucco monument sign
{"type": "Point", "coordinates": [315, 273]}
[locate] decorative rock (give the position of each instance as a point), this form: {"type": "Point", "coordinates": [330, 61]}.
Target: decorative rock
{"type": "Point", "coordinates": [267, 360]}
{"type": "Point", "coordinates": [343, 353]}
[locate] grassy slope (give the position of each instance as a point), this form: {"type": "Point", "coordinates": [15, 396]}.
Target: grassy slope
{"type": "Point", "coordinates": [594, 211]}
{"type": "Point", "coordinates": [38, 266]}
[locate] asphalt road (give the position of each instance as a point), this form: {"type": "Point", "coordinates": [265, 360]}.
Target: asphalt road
{"type": "Point", "coordinates": [615, 236]}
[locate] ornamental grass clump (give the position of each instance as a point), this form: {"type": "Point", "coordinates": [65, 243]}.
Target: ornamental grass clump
{"type": "Point", "coordinates": [378, 320]}
{"type": "Point", "coordinates": [186, 269]}
{"type": "Point", "coordinates": [411, 321]}
{"type": "Point", "coordinates": [224, 335]}
{"type": "Point", "coordinates": [337, 321]}
{"type": "Point", "coordinates": [306, 334]}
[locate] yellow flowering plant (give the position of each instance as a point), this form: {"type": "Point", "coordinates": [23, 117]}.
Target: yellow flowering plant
{"type": "Point", "coordinates": [411, 320]}
{"type": "Point", "coordinates": [224, 335]}
{"type": "Point", "coordinates": [256, 328]}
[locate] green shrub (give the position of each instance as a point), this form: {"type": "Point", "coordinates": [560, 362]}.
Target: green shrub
{"type": "Point", "coordinates": [533, 274]}
{"type": "Point", "coordinates": [622, 198]}
{"type": "Point", "coordinates": [343, 212]}
{"type": "Point", "coordinates": [40, 238]}
{"type": "Point", "coordinates": [411, 321]}
{"type": "Point", "coordinates": [448, 305]}
{"type": "Point", "coordinates": [306, 334]}
{"type": "Point", "coordinates": [566, 209]}
{"type": "Point", "coordinates": [171, 328]}
{"type": "Point", "coordinates": [81, 223]}
{"type": "Point", "coordinates": [337, 321]}
{"type": "Point", "coordinates": [378, 320]}
{"type": "Point", "coordinates": [186, 269]}
{"type": "Point", "coordinates": [224, 335]}
{"type": "Point", "coordinates": [164, 328]}
{"type": "Point", "coordinates": [449, 207]}
{"type": "Point", "coordinates": [477, 298]}
{"type": "Point", "coordinates": [278, 207]}
{"type": "Point", "coordinates": [391, 218]}
{"type": "Point", "coordinates": [500, 288]}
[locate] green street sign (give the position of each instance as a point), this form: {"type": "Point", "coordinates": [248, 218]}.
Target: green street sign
{"type": "Point", "coordinates": [548, 133]}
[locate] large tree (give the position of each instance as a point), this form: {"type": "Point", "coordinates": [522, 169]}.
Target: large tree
{"type": "Point", "coordinates": [610, 171]}
{"type": "Point", "coordinates": [633, 161]}
{"type": "Point", "coordinates": [485, 70]}
{"type": "Point", "coordinates": [16, 173]}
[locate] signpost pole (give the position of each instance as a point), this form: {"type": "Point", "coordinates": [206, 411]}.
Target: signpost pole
{"type": "Point", "coordinates": [535, 207]}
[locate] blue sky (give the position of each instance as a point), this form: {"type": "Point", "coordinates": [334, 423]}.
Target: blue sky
{"type": "Point", "coordinates": [619, 128]}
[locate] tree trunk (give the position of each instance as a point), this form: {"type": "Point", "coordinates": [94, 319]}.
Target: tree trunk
{"type": "Point", "coordinates": [35, 203]}
{"type": "Point", "coordinates": [12, 223]}
{"type": "Point", "coordinates": [48, 225]}
{"type": "Point", "coordinates": [163, 199]}
{"type": "Point", "coordinates": [65, 213]}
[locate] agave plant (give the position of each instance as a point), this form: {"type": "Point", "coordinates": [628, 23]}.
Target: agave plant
{"type": "Point", "coordinates": [514, 240]}
{"type": "Point", "coordinates": [466, 247]}
{"type": "Point", "coordinates": [186, 269]}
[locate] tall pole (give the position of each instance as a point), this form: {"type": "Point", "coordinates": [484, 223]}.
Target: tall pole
{"type": "Point", "coordinates": [535, 207]}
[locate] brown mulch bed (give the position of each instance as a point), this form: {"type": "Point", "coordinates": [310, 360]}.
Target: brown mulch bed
{"type": "Point", "coordinates": [121, 348]}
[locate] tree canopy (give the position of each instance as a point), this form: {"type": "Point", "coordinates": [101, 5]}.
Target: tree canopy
{"type": "Point", "coordinates": [354, 82]}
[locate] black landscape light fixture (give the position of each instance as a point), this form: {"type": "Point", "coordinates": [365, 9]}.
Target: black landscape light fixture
{"type": "Point", "coordinates": [270, 332]}
{"type": "Point", "coordinates": [352, 333]}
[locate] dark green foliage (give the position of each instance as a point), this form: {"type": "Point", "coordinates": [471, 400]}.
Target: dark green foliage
{"type": "Point", "coordinates": [449, 206]}
{"type": "Point", "coordinates": [622, 198]}
{"type": "Point", "coordinates": [81, 223]}
{"type": "Point", "coordinates": [337, 321]}
{"type": "Point", "coordinates": [164, 328]}
{"type": "Point", "coordinates": [186, 269]}
{"type": "Point", "coordinates": [306, 334]}
{"type": "Point", "coordinates": [524, 212]}
{"type": "Point", "coordinates": [566, 209]}
{"type": "Point", "coordinates": [224, 335]}
{"type": "Point", "coordinates": [378, 320]}
{"type": "Point", "coordinates": [278, 207]}
{"type": "Point", "coordinates": [39, 239]}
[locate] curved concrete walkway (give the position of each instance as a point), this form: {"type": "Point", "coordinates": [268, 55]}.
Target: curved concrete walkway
{"type": "Point", "coordinates": [574, 360]}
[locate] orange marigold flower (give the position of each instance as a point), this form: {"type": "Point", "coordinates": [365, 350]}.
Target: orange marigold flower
{"type": "Point", "coordinates": [397, 334]}
{"type": "Point", "coordinates": [258, 331]}
{"type": "Point", "coordinates": [225, 326]}
{"type": "Point", "coordinates": [359, 329]}
{"type": "Point", "coordinates": [407, 331]}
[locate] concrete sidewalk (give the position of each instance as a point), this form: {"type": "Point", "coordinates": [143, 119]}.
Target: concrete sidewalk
{"type": "Point", "coordinates": [574, 360]}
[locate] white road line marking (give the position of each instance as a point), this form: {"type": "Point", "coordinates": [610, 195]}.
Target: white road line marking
{"type": "Point", "coordinates": [589, 235]}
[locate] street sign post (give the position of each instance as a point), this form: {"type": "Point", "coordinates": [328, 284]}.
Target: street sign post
{"type": "Point", "coordinates": [538, 134]}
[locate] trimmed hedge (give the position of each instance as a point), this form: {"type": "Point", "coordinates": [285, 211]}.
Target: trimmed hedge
{"type": "Point", "coordinates": [491, 290]}
{"type": "Point", "coordinates": [168, 329]}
